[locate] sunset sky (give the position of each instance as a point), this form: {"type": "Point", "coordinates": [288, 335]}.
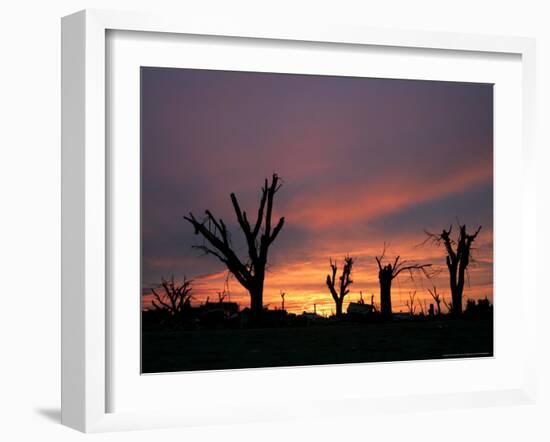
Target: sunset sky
{"type": "Point", "coordinates": [363, 162]}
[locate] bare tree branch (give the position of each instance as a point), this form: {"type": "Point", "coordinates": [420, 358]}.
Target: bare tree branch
{"type": "Point", "coordinates": [412, 267]}
{"type": "Point", "coordinates": [436, 297]}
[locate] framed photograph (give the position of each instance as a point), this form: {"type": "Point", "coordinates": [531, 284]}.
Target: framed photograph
{"type": "Point", "coordinates": [279, 220]}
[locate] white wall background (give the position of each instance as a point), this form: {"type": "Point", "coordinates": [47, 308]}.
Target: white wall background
{"type": "Point", "coordinates": [30, 216]}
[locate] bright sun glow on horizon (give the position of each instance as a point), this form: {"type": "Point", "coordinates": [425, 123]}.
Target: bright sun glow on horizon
{"type": "Point", "coordinates": [303, 282]}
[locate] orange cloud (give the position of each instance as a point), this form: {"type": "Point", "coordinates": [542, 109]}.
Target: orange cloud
{"type": "Point", "coordinates": [360, 200]}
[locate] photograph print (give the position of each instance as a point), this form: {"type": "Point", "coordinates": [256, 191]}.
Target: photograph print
{"type": "Point", "coordinates": [296, 220]}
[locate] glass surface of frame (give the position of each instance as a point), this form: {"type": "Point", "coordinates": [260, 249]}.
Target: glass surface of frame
{"type": "Point", "coordinates": [292, 219]}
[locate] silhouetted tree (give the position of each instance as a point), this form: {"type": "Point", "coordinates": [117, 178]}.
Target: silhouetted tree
{"type": "Point", "coordinates": [436, 298]}
{"type": "Point", "coordinates": [251, 273]}
{"type": "Point", "coordinates": [470, 306]}
{"type": "Point", "coordinates": [339, 291]}
{"type": "Point", "coordinates": [483, 308]}
{"type": "Point", "coordinates": [423, 307]}
{"type": "Point", "coordinates": [175, 299]}
{"type": "Point", "coordinates": [449, 305]}
{"type": "Point", "coordinates": [283, 294]}
{"type": "Point", "coordinates": [388, 272]}
{"type": "Point", "coordinates": [410, 303]}
{"type": "Point", "coordinates": [375, 308]}
{"type": "Point", "coordinates": [458, 258]}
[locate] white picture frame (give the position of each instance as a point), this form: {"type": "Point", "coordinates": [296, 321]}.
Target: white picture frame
{"type": "Point", "coordinates": [85, 209]}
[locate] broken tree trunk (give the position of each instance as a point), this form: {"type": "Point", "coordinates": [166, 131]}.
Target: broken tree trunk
{"type": "Point", "coordinates": [387, 273]}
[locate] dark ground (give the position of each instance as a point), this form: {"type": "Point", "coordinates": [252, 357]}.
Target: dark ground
{"type": "Point", "coordinates": [164, 351]}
